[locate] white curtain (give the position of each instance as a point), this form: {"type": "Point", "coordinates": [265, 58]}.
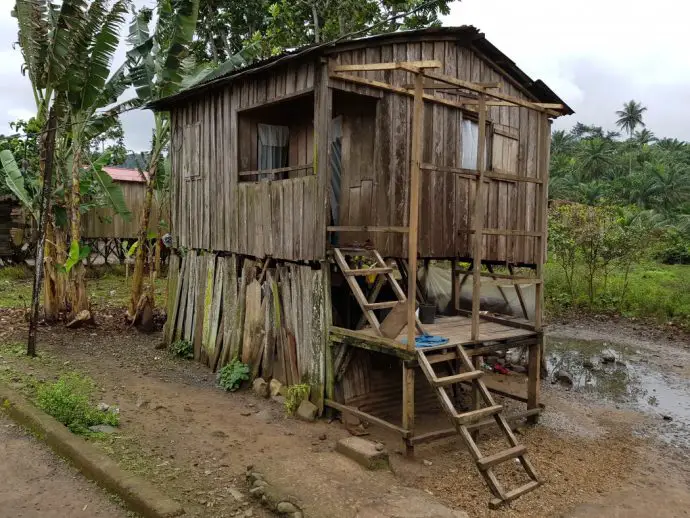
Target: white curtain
{"type": "Point", "coordinates": [272, 148]}
{"type": "Point", "coordinates": [470, 140]}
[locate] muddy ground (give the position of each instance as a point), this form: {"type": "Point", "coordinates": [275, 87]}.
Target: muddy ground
{"type": "Point", "coordinates": [600, 452]}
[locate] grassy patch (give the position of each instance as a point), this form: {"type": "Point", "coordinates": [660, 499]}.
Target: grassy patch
{"type": "Point", "coordinates": [182, 349]}
{"type": "Point", "coordinates": [656, 291]}
{"type": "Point", "coordinates": [107, 287]}
{"type": "Point", "coordinates": [69, 401]}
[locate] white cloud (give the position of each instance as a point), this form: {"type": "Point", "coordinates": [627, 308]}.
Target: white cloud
{"type": "Point", "coordinates": [596, 54]}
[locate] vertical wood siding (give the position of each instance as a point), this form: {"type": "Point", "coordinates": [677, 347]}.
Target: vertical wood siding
{"type": "Point", "coordinates": [284, 218]}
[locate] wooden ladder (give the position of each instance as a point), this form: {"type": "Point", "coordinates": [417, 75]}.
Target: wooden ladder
{"type": "Point", "coordinates": [485, 463]}
{"type": "Point", "coordinates": [384, 272]}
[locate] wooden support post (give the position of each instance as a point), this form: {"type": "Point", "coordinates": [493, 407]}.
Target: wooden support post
{"type": "Point", "coordinates": [518, 290]}
{"type": "Point", "coordinates": [323, 114]}
{"type": "Point", "coordinates": [534, 377]}
{"type": "Point", "coordinates": [478, 218]}
{"type": "Point", "coordinates": [455, 280]}
{"type": "Point", "coordinates": [500, 288]}
{"type": "Point", "coordinates": [408, 403]}
{"type": "Point", "coordinates": [417, 139]}
{"type": "Point", "coordinates": [476, 395]}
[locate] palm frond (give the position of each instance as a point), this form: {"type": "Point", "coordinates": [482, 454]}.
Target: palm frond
{"type": "Point", "coordinates": [70, 22]}
{"type": "Point", "coordinates": [15, 181]}
{"type": "Point", "coordinates": [106, 120]}
{"type": "Point", "coordinates": [101, 54]}
{"type": "Point", "coordinates": [182, 26]}
{"type": "Point", "coordinates": [33, 38]}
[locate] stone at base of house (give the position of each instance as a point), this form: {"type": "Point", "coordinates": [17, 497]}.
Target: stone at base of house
{"type": "Point", "coordinates": [260, 387]}
{"type": "Point", "coordinates": [363, 452]}
{"type": "Point", "coordinates": [307, 410]}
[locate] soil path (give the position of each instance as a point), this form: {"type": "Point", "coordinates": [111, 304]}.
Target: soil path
{"type": "Point", "coordinates": [195, 442]}
{"type": "Point", "coordinates": [37, 484]}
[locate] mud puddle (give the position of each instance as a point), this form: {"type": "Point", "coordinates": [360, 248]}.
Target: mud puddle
{"type": "Point", "coordinates": [622, 377]}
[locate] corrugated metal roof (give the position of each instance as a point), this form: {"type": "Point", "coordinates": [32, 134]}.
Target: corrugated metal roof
{"type": "Point", "coordinates": [225, 73]}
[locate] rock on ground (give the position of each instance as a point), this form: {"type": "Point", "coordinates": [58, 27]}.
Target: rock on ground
{"type": "Point", "coordinates": [307, 410]}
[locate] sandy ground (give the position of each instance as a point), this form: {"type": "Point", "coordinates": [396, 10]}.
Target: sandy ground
{"type": "Point", "coordinates": [195, 441]}
{"type": "Point", "coordinates": [36, 484]}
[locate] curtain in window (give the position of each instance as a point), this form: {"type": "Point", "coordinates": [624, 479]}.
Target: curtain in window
{"type": "Point", "coordinates": [470, 140]}
{"type": "Point", "coordinates": [272, 148]}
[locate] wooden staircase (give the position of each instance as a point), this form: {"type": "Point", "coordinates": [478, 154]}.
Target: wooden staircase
{"type": "Point", "coordinates": [485, 463]}
{"type": "Point", "coordinates": [384, 273]}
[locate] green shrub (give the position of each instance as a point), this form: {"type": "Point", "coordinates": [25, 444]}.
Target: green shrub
{"type": "Point", "coordinates": [231, 376]}
{"type": "Point", "coordinates": [69, 401]}
{"type": "Point", "coordinates": [15, 273]}
{"type": "Point", "coordinates": [295, 395]}
{"type": "Point", "coordinates": [183, 349]}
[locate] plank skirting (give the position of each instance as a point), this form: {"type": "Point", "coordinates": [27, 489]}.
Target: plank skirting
{"type": "Point", "coordinates": [274, 319]}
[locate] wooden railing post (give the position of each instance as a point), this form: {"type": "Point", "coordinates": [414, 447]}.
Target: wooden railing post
{"type": "Point", "coordinates": [478, 218]}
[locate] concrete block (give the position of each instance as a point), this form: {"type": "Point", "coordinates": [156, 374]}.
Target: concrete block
{"type": "Point", "coordinates": [363, 452]}
{"type": "Point", "coordinates": [307, 410]}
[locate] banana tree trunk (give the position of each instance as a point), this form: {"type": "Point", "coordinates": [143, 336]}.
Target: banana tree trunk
{"type": "Point", "coordinates": [140, 255]}
{"type": "Point", "coordinates": [78, 297]}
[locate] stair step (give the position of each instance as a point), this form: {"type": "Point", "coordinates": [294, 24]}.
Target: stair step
{"type": "Point", "coordinates": [477, 415]}
{"type": "Point", "coordinates": [367, 271]}
{"type": "Point", "coordinates": [497, 458]}
{"type": "Point", "coordinates": [515, 493]}
{"type": "Point", "coordinates": [458, 378]}
{"type": "Point", "coordinates": [442, 357]}
{"type": "Point", "coordinates": [381, 305]}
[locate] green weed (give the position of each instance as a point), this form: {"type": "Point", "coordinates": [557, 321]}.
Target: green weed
{"type": "Point", "coordinates": [295, 395]}
{"type": "Point", "coordinates": [231, 376]}
{"type": "Point", "coordinates": [182, 349]}
{"type": "Point", "coordinates": [69, 401]}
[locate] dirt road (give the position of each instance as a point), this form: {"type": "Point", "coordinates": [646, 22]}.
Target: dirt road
{"type": "Point", "coordinates": [35, 483]}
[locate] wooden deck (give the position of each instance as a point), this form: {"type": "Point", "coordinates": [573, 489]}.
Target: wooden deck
{"type": "Point", "coordinates": [456, 328]}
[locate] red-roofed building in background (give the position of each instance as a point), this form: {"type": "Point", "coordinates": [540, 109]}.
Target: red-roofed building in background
{"type": "Point", "coordinates": [125, 175]}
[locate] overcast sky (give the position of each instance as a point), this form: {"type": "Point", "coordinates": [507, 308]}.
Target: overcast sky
{"type": "Point", "coordinates": [595, 54]}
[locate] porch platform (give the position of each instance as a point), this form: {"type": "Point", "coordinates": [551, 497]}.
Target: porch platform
{"type": "Point", "coordinates": [492, 334]}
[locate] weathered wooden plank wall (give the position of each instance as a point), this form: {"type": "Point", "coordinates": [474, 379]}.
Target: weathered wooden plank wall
{"type": "Point", "coordinates": [285, 218]}
{"type": "Point", "coordinates": [278, 326]}
{"type": "Point", "coordinates": [446, 207]}
{"type": "Point", "coordinates": [212, 209]}
{"type": "Point", "coordinates": [103, 222]}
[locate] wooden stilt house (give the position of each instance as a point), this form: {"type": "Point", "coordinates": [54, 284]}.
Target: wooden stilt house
{"type": "Point", "coordinates": [306, 189]}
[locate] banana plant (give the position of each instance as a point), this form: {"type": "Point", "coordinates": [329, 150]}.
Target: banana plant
{"type": "Point", "coordinates": [158, 64]}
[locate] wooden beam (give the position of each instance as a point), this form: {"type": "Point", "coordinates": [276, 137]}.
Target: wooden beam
{"type": "Point", "coordinates": [478, 220]}
{"type": "Point", "coordinates": [402, 91]}
{"type": "Point", "coordinates": [474, 87]}
{"type": "Point", "coordinates": [518, 291]}
{"type": "Point", "coordinates": [495, 174]}
{"type": "Point", "coordinates": [277, 170]}
{"type": "Point", "coordinates": [367, 417]}
{"type": "Point", "coordinates": [451, 432]}
{"type": "Point", "coordinates": [498, 320]}
{"type": "Point", "coordinates": [365, 228]}
{"type": "Point", "coordinates": [534, 376]}
{"type": "Point", "coordinates": [370, 342]}
{"type": "Point", "coordinates": [429, 63]}
{"type": "Point", "coordinates": [408, 404]}
{"type": "Point", "coordinates": [416, 160]}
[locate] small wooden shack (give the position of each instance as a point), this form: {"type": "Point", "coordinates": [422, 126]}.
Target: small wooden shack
{"type": "Point", "coordinates": [105, 230]}
{"type": "Point", "coordinates": [306, 188]}
{"type": "Point", "coordinates": [11, 226]}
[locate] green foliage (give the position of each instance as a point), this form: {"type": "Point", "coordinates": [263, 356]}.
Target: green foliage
{"type": "Point", "coordinates": [77, 253]}
{"type": "Point", "coordinates": [182, 349]}
{"type": "Point", "coordinates": [295, 395]}
{"type": "Point", "coordinates": [69, 401]}
{"type": "Point", "coordinates": [14, 181]}
{"type": "Point", "coordinates": [231, 375]}
{"type": "Point", "coordinates": [243, 30]}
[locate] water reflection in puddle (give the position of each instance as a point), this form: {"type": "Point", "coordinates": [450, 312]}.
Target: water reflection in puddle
{"type": "Point", "coordinates": [627, 381]}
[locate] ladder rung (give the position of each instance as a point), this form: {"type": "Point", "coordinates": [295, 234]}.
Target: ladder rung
{"type": "Point", "coordinates": [476, 415]}
{"type": "Point", "coordinates": [491, 460]}
{"type": "Point", "coordinates": [457, 378]}
{"type": "Point", "coordinates": [381, 305]}
{"type": "Point", "coordinates": [367, 271]}
{"type": "Point", "coordinates": [442, 357]}
{"type": "Point", "coordinates": [515, 493]}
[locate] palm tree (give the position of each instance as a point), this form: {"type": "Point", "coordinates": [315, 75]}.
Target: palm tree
{"type": "Point", "coordinates": [630, 117]}
{"type": "Point", "coordinates": [644, 137]}
{"type": "Point", "coordinates": [596, 157]}
{"type": "Point", "coordinates": [160, 65]}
